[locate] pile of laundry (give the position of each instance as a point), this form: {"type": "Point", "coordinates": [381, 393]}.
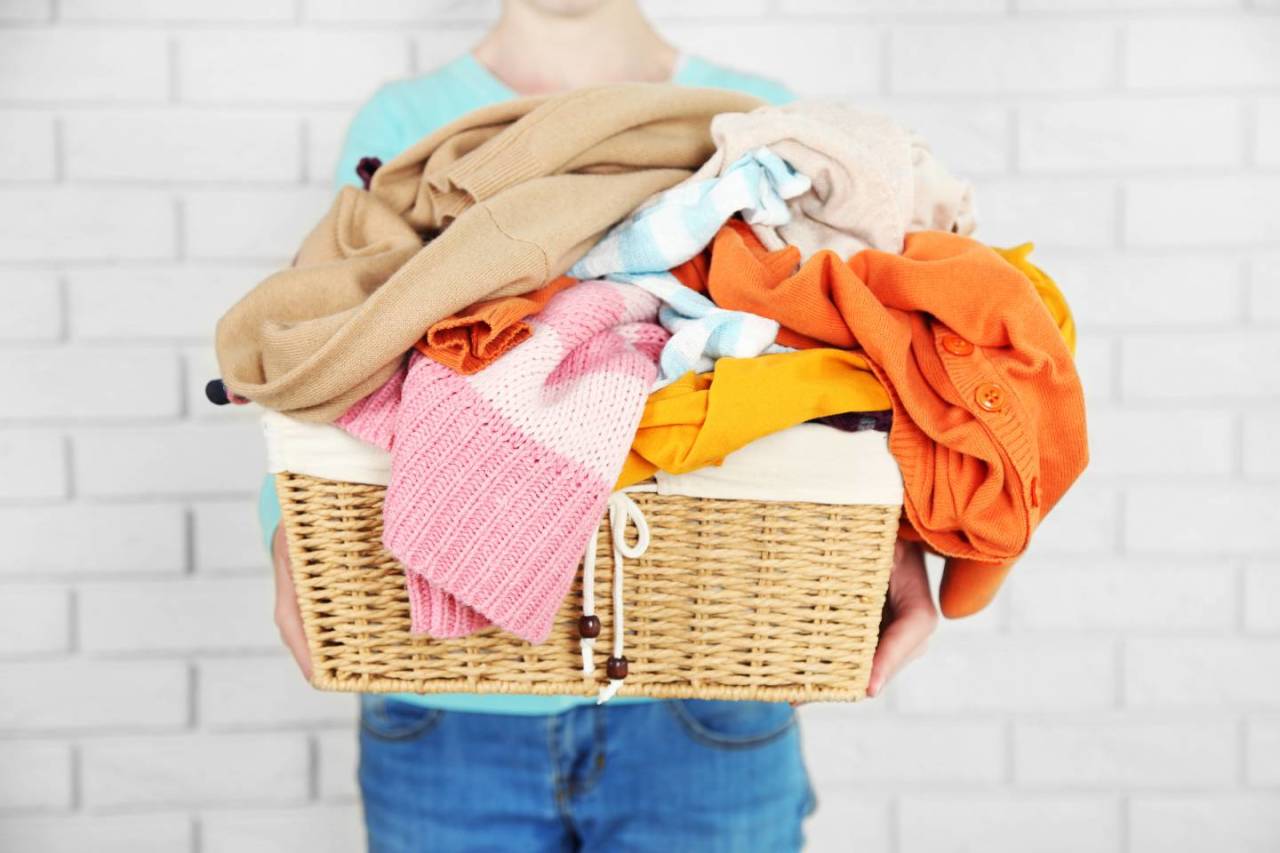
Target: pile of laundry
{"type": "Point", "coordinates": [555, 298]}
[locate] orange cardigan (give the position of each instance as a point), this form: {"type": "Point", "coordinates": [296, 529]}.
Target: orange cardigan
{"type": "Point", "coordinates": [476, 336]}
{"type": "Point", "coordinates": [988, 412]}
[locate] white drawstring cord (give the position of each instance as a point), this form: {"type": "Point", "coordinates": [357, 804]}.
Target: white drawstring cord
{"type": "Point", "coordinates": [588, 644]}
{"type": "Point", "coordinates": [622, 510]}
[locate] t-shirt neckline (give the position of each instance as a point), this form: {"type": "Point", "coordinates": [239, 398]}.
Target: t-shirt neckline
{"type": "Point", "coordinates": [489, 83]}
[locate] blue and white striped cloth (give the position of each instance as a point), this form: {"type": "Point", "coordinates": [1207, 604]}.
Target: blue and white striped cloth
{"type": "Point", "coordinates": [671, 228]}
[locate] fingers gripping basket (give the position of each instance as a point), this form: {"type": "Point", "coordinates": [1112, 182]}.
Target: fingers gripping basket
{"type": "Point", "coordinates": [732, 599]}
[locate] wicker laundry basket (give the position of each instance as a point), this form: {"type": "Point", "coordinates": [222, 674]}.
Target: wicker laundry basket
{"type": "Point", "coordinates": [734, 599]}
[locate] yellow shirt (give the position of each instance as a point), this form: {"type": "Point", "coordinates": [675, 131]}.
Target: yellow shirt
{"type": "Point", "coordinates": [701, 418]}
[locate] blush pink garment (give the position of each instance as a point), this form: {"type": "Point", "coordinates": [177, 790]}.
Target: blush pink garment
{"type": "Point", "coordinates": [499, 478]}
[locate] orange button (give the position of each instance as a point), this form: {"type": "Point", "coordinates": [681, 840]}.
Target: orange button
{"type": "Point", "coordinates": [989, 396]}
{"type": "Point", "coordinates": [1035, 492]}
{"type": "Point", "coordinates": [956, 345]}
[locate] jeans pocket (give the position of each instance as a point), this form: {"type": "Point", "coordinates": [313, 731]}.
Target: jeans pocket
{"type": "Point", "coordinates": [733, 725]}
{"type": "Point", "coordinates": [389, 718]}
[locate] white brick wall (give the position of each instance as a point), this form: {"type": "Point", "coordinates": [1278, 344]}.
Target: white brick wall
{"type": "Point", "coordinates": [108, 834]}
{"type": "Point", "coordinates": [248, 770]}
{"type": "Point", "coordinates": [158, 158]}
{"type": "Point", "coordinates": [1046, 824]}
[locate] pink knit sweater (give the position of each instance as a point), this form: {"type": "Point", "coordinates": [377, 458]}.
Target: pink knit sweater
{"type": "Point", "coordinates": [498, 478]}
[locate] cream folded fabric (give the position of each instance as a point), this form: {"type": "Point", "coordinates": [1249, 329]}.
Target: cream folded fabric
{"type": "Point", "coordinates": [873, 180]}
{"type": "Point", "coordinates": [506, 198]}
{"type": "Point", "coordinates": [808, 463]}
{"type": "Point", "coordinates": [323, 451]}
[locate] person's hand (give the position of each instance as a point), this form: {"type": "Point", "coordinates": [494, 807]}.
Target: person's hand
{"type": "Point", "coordinates": [288, 617]}
{"type": "Point", "coordinates": [909, 616]}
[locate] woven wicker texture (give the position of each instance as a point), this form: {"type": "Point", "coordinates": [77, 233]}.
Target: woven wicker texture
{"type": "Point", "coordinates": [732, 600]}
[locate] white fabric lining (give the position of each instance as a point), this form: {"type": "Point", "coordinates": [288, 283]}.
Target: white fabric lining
{"type": "Point", "coordinates": [810, 463]}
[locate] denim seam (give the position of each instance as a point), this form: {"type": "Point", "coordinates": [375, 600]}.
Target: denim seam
{"type": "Point", "coordinates": [428, 723]}
{"type": "Point", "coordinates": [561, 790]}
{"type": "Point", "coordinates": [598, 741]}
{"type": "Point", "coordinates": [706, 737]}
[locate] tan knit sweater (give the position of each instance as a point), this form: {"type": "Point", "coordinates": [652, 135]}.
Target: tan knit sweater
{"type": "Point", "coordinates": [513, 194]}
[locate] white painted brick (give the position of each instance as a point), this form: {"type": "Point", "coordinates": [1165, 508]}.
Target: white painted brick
{"type": "Point", "coordinates": [1177, 519]}
{"type": "Point", "coordinates": [83, 65]}
{"type": "Point", "coordinates": [1168, 54]}
{"type": "Point", "coordinates": [339, 755]}
{"type": "Point", "coordinates": [1267, 144]}
{"type": "Point", "coordinates": [1129, 134]}
{"type": "Point", "coordinates": [875, 752]}
{"type": "Point", "coordinates": [81, 224]}
{"type": "Point", "coordinates": [182, 145]}
{"type": "Point", "coordinates": [1085, 521]}
{"type": "Point", "coordinates": [227, 536]}
{"type": "Point", "coordinates": [167, 10]}
{"type": "Point", "coordinates": [837, 8]}
{"type": "Point", "coordinates": [265, 691]}
{"type": "Point", "coordinates": [1192, 824]}
{"type": "Point", "coordinates": [960, 823]}
{"type": "Point", "coordinates": [92, 694]}
{"type": "Point", "coordinates": [170, 833]}
{"type": "Point", "coordinates": [1130, 753]}
{"type": "Point", "coordinates": [1075, 214]}
{"type": "Point", "coordinates": [848, 819]}
{"type": "Point", "coordinates": [33, 306]}
{"type": "Point", "coordinates": [1120, 595]}
{"type": "Point", "coordinates": [1264, 289]}
{"type": "Point", "coordinates": [26, 146]}
{"type": "Point", "coordinates": [288, 66]}
{"type": "Point", "coordinates": [194, 769]}
{"type": "Point", "coordinates": [178, 615]}
{"type": "Point", "coordinates": [159, 304]}
{"type": "Point", "coordinates": [92, 538]}
{"type": "Point", "coordinates": [399, 11]}
{"type": "Point", "coordinates": [25, 11]}
{"type": "Point", "coordinates": [1262, 444]}
{"type": "Point", "coordinates": [851, 53]}
{"type": "Point", "coordinates": [89, 382]}
{"type": "Point", "coordinates": [965, 138]}
{"type": "Point", "coordinates": [205, 459]}
{"type": "Point", "coordinates": [1206, 365]}
{"type": "Point", "coordinates": [326, 133]}
{"type": "Point", "coordinates": [260, 225]}
{"type": "Point", "coordinates": [1058, 6]}
{"type": "Point", "coordinates": [1172, 212]}
{"type": "Point", "coordinates": [989, 58]}
{"type": "Point", "coordinates": [318, 829]}
{"type": "Point", "coordinates": [1065, 673]}
{"type": "Point", "coordinates": [37, 776]}
{"type": "Point", "coordinates": [1262, 751]}
{"type": "Point", "coordinates": [33, 619]}
{"type": "Point", "coordinates": [34, 465]}
{"type": "Point", "coordinates": [1202, 672]}
{"type": "Point", "coordinates": [1142, 291]}
{"type": "Point", "coordinates": [1262, 597]}
{"type": "Point", "coordinates": [1126, 442]}
{"type": "Point", "coordinates": [1095, 364]}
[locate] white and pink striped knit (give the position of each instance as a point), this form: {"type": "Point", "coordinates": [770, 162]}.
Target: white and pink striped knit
{"type": "Point", "coordinates": [498, 478]}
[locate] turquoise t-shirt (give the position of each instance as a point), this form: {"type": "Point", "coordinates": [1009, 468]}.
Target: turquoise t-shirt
{"type": "Point", "coordinates": [398, 115]}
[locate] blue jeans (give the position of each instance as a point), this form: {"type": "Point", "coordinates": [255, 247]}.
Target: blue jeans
{"type": "Point", "coordinates": [662, 776]}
